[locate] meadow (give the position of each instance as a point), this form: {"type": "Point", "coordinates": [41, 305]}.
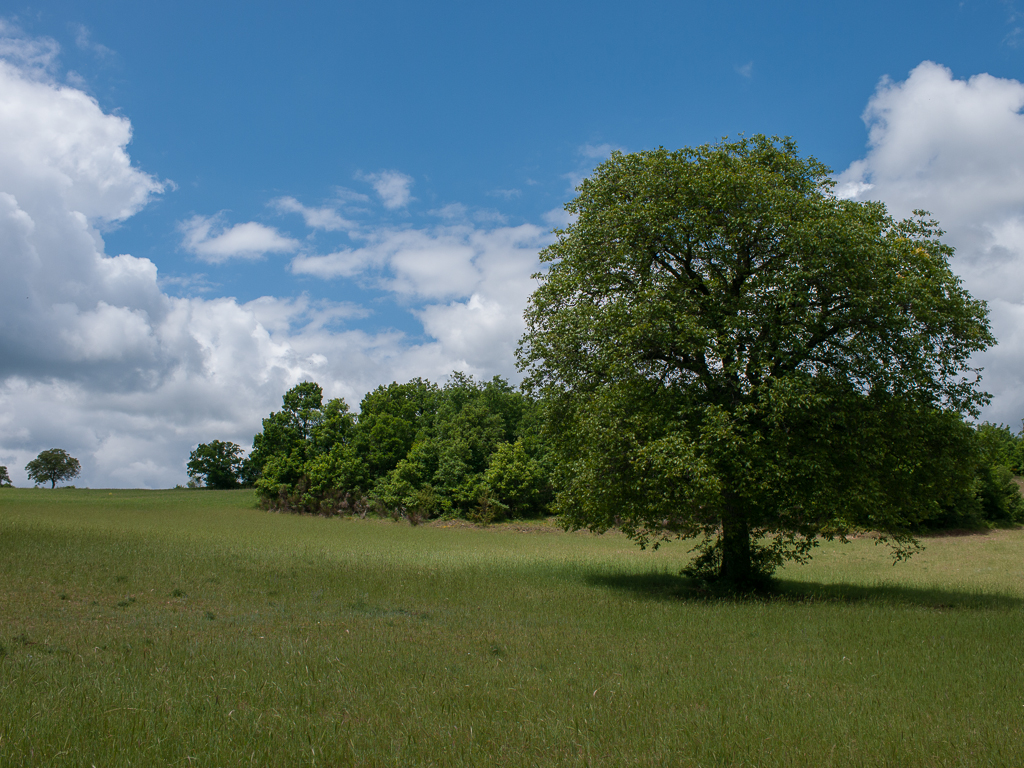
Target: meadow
{"type": "Point", "coordinates": [189, 628]}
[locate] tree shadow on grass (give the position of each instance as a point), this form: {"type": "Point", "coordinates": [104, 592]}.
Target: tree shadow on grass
{"type": "Point", "coordinates": [667, 586]}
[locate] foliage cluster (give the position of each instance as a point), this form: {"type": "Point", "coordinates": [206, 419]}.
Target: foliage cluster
{"type": "Point", "coordinates": [53, 466]}
{"type": "Point", "coordinates": [217, 465]}
{"type": "Point", "coordinates": [729, 350]}
{"type": "Point", "coordinates": [5, 479]}
{"type": "Point", "coordinates": [992, 496]}
{"type": "Point", "coordinates": [999, 446]}
{"type": "Point", "coordinates": [416, 450]}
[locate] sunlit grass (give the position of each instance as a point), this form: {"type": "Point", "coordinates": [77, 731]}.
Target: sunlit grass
{"type": "Point", "coordinates": [190, 628]}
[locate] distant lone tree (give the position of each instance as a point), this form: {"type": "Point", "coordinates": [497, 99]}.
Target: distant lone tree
{"type": "Point", "coordinates": [217, 464]}
{"type": "Point", "coordinates": [53, 466]}
{"type": "Point", "coordinates": [5, 479]}
{"type": "Point", "coordinates": [727, 349]}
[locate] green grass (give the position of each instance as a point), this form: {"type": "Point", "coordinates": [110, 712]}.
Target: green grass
{"type": "Point", "coordinates": [188, 628]}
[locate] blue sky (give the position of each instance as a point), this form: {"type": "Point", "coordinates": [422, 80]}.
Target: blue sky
{"type": "Point", "coordinates": [355, 193]}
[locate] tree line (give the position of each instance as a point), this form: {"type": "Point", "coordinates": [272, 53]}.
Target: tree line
{"type": "Point", "coordinates": [482, 451]}
{"type": "Point", "coordinates": [468, 449]}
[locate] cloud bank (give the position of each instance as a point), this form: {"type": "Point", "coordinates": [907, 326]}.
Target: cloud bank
{"type": "Point", "coordinates": [97, 359]}
{"type": "Point", "coordinates": [956, 148]}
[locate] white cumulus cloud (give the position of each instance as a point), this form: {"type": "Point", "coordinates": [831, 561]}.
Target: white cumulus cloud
{"type": "Point", "coordinates": [956, 148]}
{"type": "Point", "coordinates": [97, 359]}
{"type": "Point", "coordinates": [475, 281]}
{"type": "Point", "coordinates": [326, 218]}
{"type": "Point", "coordinates": [598, 151]}
{"type": "Point", "coordinates": [83, 39]}
{"type": "Point", "coordinates": [394, 188]}
{"type": "Point", "coordinates": [438, 263]}
{"type": "Point", "coordinates": [36, 57]}
{"type": "Point", "coordinates": [209, 239]}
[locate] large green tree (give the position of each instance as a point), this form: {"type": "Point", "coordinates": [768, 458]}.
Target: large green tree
{"type": "Point", "coordinates": [443, 470]}
{"type": "Point", "coordinates": [305, 427]}
{"type": "Point", "coordinates": [728, 349]}
{"type": "Point", "coordinates": [217, 464]}
{"type": "Point", "coordinates": [303, 459]}
{"type": "Point", "coordinates": [390, 419]}
{"type": "Point", "coordinates": [53, 466]}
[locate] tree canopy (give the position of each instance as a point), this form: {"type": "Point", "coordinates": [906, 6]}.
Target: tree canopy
{"type": "Point", "coordinates": [469, 449]}
{"type": "Point", "coordinates": [53, 466]}
{"type": "Point", "coordinates": [5, 479]}
{"type": "Point", "coordinates": [217, 464]}
{"type": "Point", "coordinates": [996, 496]}
{"type": "Point", "coordinates": [728, 349]}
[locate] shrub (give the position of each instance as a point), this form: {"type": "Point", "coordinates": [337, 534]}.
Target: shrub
{"type": "Point", "coordinates": [515, 479]}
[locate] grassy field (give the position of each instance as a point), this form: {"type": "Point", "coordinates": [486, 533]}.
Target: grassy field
{"type": "Point", "coordinates": [185, 628]}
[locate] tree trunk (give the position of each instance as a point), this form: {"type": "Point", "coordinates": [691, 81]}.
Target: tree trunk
{"type": "Point", "coordinates": [736, 564]}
